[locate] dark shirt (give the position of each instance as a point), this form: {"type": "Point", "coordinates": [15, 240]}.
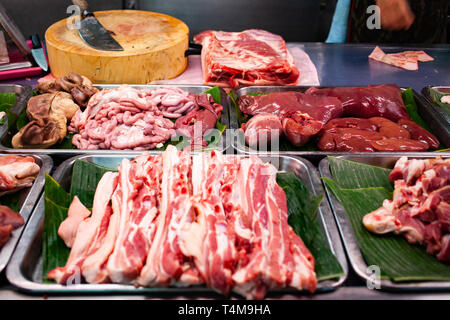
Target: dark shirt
{"type": "Point", "coordinates": [430, 24]}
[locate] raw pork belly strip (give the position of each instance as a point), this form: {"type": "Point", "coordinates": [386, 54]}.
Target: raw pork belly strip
{"type": "Point", "coordinates": [250, 57]}
{"type": "Point", "coordinates": [278, 257]}
{"type": "Point", "coordinates": [139, 185]}
{"type": "Point", "coordinates": [216, 261]}
{"type": "Point", "coordinates": [166, 263]}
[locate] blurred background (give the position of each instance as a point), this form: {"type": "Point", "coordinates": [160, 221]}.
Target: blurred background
{"type": "Point", "coordinates": [294, 20]}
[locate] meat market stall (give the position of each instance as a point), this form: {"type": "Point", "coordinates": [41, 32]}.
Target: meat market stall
{"type": "Point", "coordinates": [129, 212]}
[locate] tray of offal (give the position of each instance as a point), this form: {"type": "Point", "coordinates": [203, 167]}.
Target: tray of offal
{"type": "Point", "coordinates": [21, 184]}
{"type": "Point", "coordinates": [393, 214]}
{"type": "Point", "coordinates": [70, 116]}
{"type": "Point", "coordinates": [180, 222]}
{"type": "Point", "coordinates": [317, 121]}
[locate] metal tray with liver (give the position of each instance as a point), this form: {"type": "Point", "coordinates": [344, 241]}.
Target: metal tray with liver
{"type": "Point", "coordinates": [239, 145]}
{"type": "Point", "coordinates": [355, 257]}
{"type": "Point", "coordinates": [28, 199]}
{"type": "Point", "coordinates": [25, 269]}
{"type": "Point", "coordinates": [66, 153]}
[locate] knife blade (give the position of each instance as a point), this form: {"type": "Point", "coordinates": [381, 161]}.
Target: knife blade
{"type": "Point", "coordinates": [38, 52]}
{"type": "Point", "coordinates": [92, 32]}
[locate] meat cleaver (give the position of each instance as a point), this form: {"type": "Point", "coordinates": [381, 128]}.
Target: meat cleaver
{"type": "Point", "coordinates": [92, 32]}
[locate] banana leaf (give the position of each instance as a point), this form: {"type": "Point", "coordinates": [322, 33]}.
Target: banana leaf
{"type": "Point", "coordinates": [11, 200]}
{"type": "Point", "coordinates": [411, 106]}
{"type": "Point", "coordinates": [302, 208]}
{"type": "Point", "coordinates": [54, 250]}
{"type": "Point", "coordinates": [398, 260]}
{"type": "Point", "coordinates": [8, 98]}
{"type": "Point", "coordinates": [436, 98]}
{"type": "Point", "coordinates": [85, 178]}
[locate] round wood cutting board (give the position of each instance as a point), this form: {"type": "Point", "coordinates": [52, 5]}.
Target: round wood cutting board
{"type": "Point", "coordinates": [154, 46]}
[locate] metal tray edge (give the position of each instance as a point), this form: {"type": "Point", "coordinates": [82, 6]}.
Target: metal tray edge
{"type": "Point", "coordinates": [7, 251]}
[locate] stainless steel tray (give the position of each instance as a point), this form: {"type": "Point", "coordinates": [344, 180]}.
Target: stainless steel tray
{"type": "Point", "coordinates": [354, 254]}
{"type": "Point", "coordinates": [28, 199]}
{"type": "Point", "coordinates": [443, 119]}
{"type": "Point", "coordinates": [66, 153]}
{"type": "Point", "coordinates": [239, 144]}
{"type": "Point", "coordinates": [25, 269]}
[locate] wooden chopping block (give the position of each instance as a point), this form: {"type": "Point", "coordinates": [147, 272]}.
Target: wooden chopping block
{"type": "Point", "coordinates": [154, 46]}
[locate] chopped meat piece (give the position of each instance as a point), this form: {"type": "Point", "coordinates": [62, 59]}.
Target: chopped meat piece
{"type": "Point", "coordinates": [10, 217]}
{"type": "Point", "coordinates": [68, 228]}
{"type": "Point", "coordinates": [420, 208]}
{"type": "Point", "coordinates": [17, 172]}
{"type": "Point", "coordinates": [250, 57]}
{"type": "Point", "coordinates": [5, 234]}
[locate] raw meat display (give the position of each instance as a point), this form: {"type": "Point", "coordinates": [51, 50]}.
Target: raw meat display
{"type": "Point", "coordinates": [250, 57]}
{"type": "Point", "coordinates": [381, 121]}
{"type": "Point", "coordinates": [384, 100]}
{"type": "Point", "coordinates": [375, 134]}
{"type": "Point", "coordinates": [179, 220]}
{"type": "Point", "coordinates": [129, 118]}
{"type": "Point", "coordinates": [420, 208]}
{"type": "Point", "coordinates": [302, 116]}
{"type": "Point", "coordinates": [407, 59]}
{"type": "Point", "coordinates": [9, 220]}
{"type": "Point", "coordinates": [78, 86]}
{"type": "Point", "coordinates": [17, 172]}
{"type": "Point", "coordinates": [48, 115]}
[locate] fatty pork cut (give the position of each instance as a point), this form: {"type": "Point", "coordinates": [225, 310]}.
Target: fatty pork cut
{"type": "Point", "coordinates": [179, 220]}
{"type": "Point", "coordinates": [129, 118]}
{"type": "Point", "coordinates": [420, 208]}
{"type": "Point", "coordinates": [9, 220]}
{"type": "Point", "coordinates": [17, 172]}
{"type": "Point", "coordinates": [250, 57]}
{"type": "Point", "coordinates": [384, 100]}
{"type": "Point", "coordinates": [301, 116]}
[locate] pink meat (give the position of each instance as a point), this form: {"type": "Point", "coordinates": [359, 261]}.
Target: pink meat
{"type": "Point", "coordinates": [127, 118]}
{"type": "Point", "coordinates": [90, 234]}
{"type": "Point", "coordinates": [68, 228]}
{"type": "Point", "coordinates": [250, 57]}
{"type": "Point", "coordinates": [138, 210]}
{"type": "Point", "coordinates": [420, 208]}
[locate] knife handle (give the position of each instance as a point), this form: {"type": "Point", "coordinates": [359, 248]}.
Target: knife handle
{"type": "Point", "coordinates": [82, 4]}
{"type": "Point", "coordinates": [35, 41]}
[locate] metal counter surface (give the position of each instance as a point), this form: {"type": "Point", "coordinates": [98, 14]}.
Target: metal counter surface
{"type": "Point", "coordinates": [349, 64]}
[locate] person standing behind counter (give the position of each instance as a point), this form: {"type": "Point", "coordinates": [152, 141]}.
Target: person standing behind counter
{"type": "Point", "coordinates": [401, 21]}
